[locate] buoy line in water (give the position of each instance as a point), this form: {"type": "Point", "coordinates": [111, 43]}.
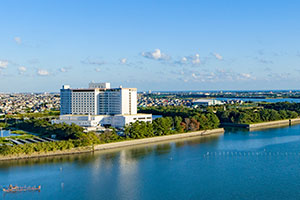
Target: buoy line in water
{"type": "Point", "coordinates": [249, 153]}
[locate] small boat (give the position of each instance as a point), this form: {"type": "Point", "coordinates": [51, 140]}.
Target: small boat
{"type": "Point", "coordinates": [12, 188]}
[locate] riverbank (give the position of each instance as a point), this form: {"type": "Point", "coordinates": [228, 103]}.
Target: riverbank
{"type": "Point", "coordinates": [263, 125]}
{"type": "Point", "coordinates": [279, 123]}
{"type": "Point", "coordinates": [116, 145]}
{"type": "Point", "coordinates": [157, 139]}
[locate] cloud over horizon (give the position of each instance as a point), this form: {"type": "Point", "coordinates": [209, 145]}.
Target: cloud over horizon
{"type": "Point", "coordinates": [3, 64]}
{"type": "Point", "coordinates": [22, 69]}
{"type": "Point", "coordinates": [218, 56]}
{"type": "Point", "coordinates": [62, 69]}
{"type": "Point", "coordinates": [43, 72]}
{"type": "Point", "coordinates": [123, 60]}
{"type": "Point", "coordinates": [155, 55]}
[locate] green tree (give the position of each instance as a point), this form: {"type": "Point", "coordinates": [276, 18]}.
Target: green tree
{"type": "Point", "coordinates": [177, 123]}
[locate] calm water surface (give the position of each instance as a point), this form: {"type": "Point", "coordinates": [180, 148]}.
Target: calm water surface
{"type": "Point", "coordinates": [6, 133]}
{"type": "Point", "coordinates": [238, 165]}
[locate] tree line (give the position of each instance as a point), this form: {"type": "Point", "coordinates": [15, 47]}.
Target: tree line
{"type": "Point", "coordinates": [287, 106]}
{"type": "Point", "coordinates": [177, 119]}
{"type": "Point", "coordinates": [70, 136]}
{"type": "Point", "coordinates": [249, 116]}
{"type": "Point", "coordinates": [45, 128]}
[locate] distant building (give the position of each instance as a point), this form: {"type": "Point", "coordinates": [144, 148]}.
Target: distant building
{"type": "Point", "coordinates": [99, 85]}
{"type": "Point", "coordinates": [207, 102]}
{"type": "Point", "coordinates": [100, 105]}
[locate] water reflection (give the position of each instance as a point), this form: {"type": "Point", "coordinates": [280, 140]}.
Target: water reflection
{"type": "Point", "coordinates": [128, 171]}
{"type": "Point", "coordinates": [236, 130]}
{"type": "Point", "coordinates": [211, 140]}
{"type": "Point", "coordinates": [163, 170]}
{"type": "Point", "coordinates": [80, 158]}
{"type": "Point", "coordinates": [110, 157]}
{"type": "Point", "coordinates": [138, 152]}
{"type": "Point", "coordinates": [163, 149]}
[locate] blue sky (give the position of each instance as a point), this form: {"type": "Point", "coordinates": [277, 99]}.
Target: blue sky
{"type": "Point", "coordinates": [150, 44]}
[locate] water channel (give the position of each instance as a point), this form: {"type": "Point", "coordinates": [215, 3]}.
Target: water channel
{"type": "Point", "coordinates": [262, 164]}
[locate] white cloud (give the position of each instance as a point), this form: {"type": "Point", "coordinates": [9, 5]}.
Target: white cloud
{"type": "Point", "coordinates": [196, 59]}
{"type": "Point", "coordinates": [3, 64]}
{"type": "Point", "coordinates": [43, 72]}
{"type": "Point", "coordinates": [63, 69]}
{"type": "Point", "coordinates": [123, 60]}
{"type": "Point", "coordinates": [22, 69]}
{"type": "Point", "coordinates": [156, 55]}
{"type": "Point", "coordinates": [18, 40]}
{"type": "Point", "coordinates": [218, 56]}
{"type": "Point", "coordinates": [183, 59]}
{"type": "Point", "coordinates": [192, 60]}
{"type": "Point", "coordinates": [246, 76]}
{"type": "Point", "coordinates": [97, 69]}
{"type": "Point", "coordinates": [219, 75]}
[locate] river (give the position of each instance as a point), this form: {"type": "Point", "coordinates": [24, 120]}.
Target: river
{"type": "Point", "coordinates": [237, 165]}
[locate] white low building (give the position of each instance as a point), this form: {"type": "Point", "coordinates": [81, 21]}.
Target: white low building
{"type": "Point", "coordinates": [207, 102]}
{"type": "Point", "coordinates": [100, 106]}
{"type": "Point", "coordinates": [117, 121]}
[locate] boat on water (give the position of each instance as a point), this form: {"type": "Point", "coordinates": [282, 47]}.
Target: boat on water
{"type": "Point", "coordinates": [12, 188]}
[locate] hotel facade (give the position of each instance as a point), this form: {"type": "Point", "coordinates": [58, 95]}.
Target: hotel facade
{"type": "Point", "coordinates": [100, 105]}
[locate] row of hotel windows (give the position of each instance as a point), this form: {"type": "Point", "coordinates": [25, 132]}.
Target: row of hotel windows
{"type": "Point", "coordinates": [83, 104]}
{"type": "Point", "coordinates": [116, 100]}
{"type": "Point", "coordinates": [81, 97]}
{"type": "Point", "coordinates": [92, 106]}
{"type": "Point", "coordinates": [82, 111]}
{"type": "Point", "coordinates": [108, 107]}
{"type": "Point", "coordinates": [90, 102]}
{"type": "Point", "coordinates": [85, 99]}
{"type": "Point", "coordinates": [100, 99]}
{"type": "Point", "coordinates": [106, 94]}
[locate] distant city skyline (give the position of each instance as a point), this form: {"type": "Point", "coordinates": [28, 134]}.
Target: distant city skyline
{"type": "Point", "coordinates": [151, 45]}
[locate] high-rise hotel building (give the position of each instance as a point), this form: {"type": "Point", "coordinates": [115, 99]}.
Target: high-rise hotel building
{"type": "Point", "coordinates": [99, 105]}
{"type": "Point", "coordinates": [98, 99]}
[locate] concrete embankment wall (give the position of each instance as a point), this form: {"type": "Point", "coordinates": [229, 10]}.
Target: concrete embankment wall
{"type": "Point", "coordinates": [262, 125]}
{"type": "Point", "coordinates": [156, 139]}
{"type": "Point", "coordinates": [116, 145]}
{"type": "Point", "coordinates": [278, 123]}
